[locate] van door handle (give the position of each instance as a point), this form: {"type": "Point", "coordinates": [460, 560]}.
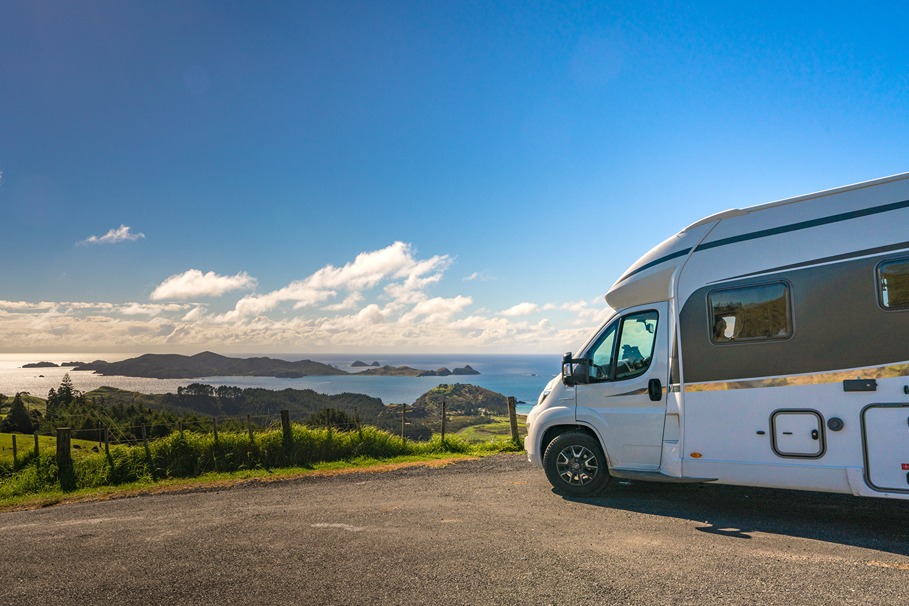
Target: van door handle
{"type": "Point", "coordinates": [655, 390]}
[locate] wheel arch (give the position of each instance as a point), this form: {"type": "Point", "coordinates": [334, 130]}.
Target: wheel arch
{"type": "Point", "coordinates": [555, 431]}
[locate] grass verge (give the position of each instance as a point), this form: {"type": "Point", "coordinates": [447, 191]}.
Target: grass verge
{"type": "Point", "coordinates": [199, 460]}
{"type": "Point", "coordinates": [226, 481]}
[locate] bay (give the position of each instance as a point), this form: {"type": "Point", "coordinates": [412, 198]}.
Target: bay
{"type": "Point", "coordinates": [520, 375]}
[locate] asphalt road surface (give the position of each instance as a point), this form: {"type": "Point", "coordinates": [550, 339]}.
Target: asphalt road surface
{"type": "Point", "coordinates": [479, 532]}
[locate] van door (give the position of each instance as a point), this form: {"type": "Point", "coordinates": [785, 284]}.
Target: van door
{"type": "Point", "coordinates": [623, 398]}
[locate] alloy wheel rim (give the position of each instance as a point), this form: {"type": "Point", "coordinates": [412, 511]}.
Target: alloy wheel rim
{"type": "Point", "coordinates": [577, 465]}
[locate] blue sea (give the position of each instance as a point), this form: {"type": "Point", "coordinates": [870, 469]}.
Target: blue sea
{"type": "Point", "coordinates": [521, 376]}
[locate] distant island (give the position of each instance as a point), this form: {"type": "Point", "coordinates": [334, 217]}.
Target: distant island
{"type": "Point", "coordinates": [407, 371]}
{"type": "Point", "coordinates": [208, 364]}
{"type": "Point", "coordinates": [362, 364]}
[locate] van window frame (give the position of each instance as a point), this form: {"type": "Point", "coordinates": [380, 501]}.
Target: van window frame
{"type": "Point", "coordinates": [878, 283]}
{"type": "Point", "coordinates": [790, 314]}
{"type": "Point", "coordinates": [619, 323]}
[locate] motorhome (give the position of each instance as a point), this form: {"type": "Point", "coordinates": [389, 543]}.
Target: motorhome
{"type": "Point", "coordinates": [764, 346]}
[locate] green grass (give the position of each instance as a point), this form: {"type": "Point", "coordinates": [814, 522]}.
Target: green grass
{"type": "Point", "coordinates": [148, 486]}
{"type": "Point", "coordinates": [499, 429]}
{"type": "Point", "coordinates": [198, 457]}
{"type": "Point", "coordinates": [25, 446]}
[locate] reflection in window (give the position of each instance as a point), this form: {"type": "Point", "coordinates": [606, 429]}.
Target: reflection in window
{"type": "Point", "coordinates": [634, 352]}
{"type": "Point", "coordinates": [752, 313]}
{"type": "Point", "coordinates": [601, 355]}
{"type": "Point", "coordinates": [636, 344]}
{"type": "Point", "coordinates": [893, 281]}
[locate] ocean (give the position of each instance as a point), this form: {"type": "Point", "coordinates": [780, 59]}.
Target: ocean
{"type": "Point", "coordinates": [521, 376]}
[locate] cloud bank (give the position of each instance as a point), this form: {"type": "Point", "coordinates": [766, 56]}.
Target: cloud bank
{"type": "Point", "coordinates": [382, 300]}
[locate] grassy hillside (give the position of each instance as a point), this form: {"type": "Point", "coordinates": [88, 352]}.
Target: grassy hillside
{"type": "Point", "coordinates": [31, 402]}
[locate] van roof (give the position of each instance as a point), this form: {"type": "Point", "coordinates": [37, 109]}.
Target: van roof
{"type": "Point", "coordinates": [650, 277]}
{"type": "Point", "coordinates": [736, 212]}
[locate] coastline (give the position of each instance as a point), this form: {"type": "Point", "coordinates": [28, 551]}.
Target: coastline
{"type": "Point", "coordinates": [520, 375]}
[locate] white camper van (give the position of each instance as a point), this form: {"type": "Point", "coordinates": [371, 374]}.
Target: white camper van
{"type": "Point", "coordinates": [767, 346]}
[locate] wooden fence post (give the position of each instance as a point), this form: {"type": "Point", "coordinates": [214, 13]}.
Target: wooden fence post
{"type": "Point", "coordinates": [36, 445]}
{"type": "Point", "coordinates": [403, 420]}
{"type": "Point", "coordinates": [145, 443]}
{"type": "Point", "coordinates": [214, 425]}
{"type": "Point", "coordinates": [443, 421]}
{"type": "Point", "coordinates": [65, 459]}
{"type": "Point", "coordinates": [14, 451]}
{"type": "Point", "coordinates": [249, 427]}
{"type": "Point", "coordinates": [513, 418]}
{"type": "Point", "coordinates": [107, 442]}
{"type": "Point", "coordinates": [285, 426]}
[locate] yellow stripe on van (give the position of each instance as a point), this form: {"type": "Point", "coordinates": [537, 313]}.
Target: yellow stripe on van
{"type": "Point", "coordinates": [874, 372]}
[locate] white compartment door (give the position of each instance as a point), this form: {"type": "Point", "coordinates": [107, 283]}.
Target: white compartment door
{"type": "Point", "coordinates": [885, 432]}
{"type": "Point", "coordinates": [798, 433]}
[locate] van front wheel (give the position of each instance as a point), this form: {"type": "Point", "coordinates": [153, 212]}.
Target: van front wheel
{"type": "Point", "coordinates": [575, 465]}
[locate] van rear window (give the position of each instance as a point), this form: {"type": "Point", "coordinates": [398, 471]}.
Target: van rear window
{"type": "Point", "coordinates": [752, 313]}
{"type": "Point", "coordinates": [893, 284]}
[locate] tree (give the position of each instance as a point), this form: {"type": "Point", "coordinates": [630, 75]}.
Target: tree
{"type": "Point", "coordinates": [65, 395]}
{"type": "Point", "coordinates": [18, 419]}
{"type": "Point", "coordinates": [197, 389]}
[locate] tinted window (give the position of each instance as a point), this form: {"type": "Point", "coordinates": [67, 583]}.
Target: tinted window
{"type": "Point", "coordinates": [893, 284]}
{"type": "Point", "coordinates": [752, 313]}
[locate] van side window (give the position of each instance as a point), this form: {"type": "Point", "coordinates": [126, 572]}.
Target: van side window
{"type": "Point", "coordinates": [893, 284]}
{"type": "Point", "coordinates": [753, 313]}
{"type": "Point", "coordinates": [636, 336]}
{"type": "Point", "coordinates": [635, 348]}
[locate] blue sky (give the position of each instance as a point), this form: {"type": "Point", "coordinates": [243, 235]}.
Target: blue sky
{"type": "Point", "coordinates": [403, 176]}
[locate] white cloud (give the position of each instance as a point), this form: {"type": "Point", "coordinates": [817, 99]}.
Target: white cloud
{"type": "Point", "coordinates": [381, 300]}
{"type": "Point", "coordinates": [193, 283]}
{"type": "Point", "coordinates": [521, 309]}
{"type": "Point", "coordinates": [142, 309]}
{"type": "Point", "coordinates": [194, 314]}
{"type": "Point", "coordinates": [396, 264]}
{"type": "Point", "coordinates": [120, 234]}
{"type": "Point", "coordinates": [482, 276]}
{"type": "Point", "coordinates": [350, 302]}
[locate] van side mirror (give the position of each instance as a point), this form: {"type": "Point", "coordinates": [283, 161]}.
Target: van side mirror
{"type": "Point", "coordinates": [575, 370]}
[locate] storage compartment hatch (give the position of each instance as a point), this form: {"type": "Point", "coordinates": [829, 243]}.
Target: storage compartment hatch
{"type": "Point", "coordinates": [797, 433]}
{"type": "Point", "coordinates": [885, 437]}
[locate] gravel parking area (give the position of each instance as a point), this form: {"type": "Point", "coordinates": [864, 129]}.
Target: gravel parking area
{"type": "Point", "coordinates": [489, 531]}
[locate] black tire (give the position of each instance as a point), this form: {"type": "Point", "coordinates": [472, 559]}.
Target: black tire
{"type": "Point", "coordinates": [575, 465]}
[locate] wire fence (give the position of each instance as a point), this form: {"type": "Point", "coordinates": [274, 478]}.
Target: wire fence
{"type": "Point", "coordinates": [412, 424]}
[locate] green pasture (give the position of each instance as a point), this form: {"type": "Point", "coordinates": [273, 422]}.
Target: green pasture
{"type": "Point", "coordinates": [25, 445]}
{"type": "Point", "coordinates": [499, 429]}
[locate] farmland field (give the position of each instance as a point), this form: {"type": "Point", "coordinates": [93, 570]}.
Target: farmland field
{"type": "Point", "coordinates": [25, 443]}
